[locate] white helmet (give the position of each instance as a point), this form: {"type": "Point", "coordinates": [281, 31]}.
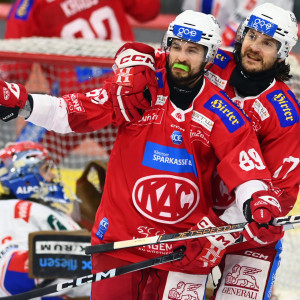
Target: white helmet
{"type": "Point", "coordinates": [273, 21]}
{"type": "Point", "coordinates": [195, 27]}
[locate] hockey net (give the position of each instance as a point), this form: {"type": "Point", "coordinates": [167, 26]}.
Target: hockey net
{"type": "Point", "coordinates": [61, 66]}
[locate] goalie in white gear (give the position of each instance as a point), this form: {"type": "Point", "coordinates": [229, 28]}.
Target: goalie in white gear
{"type": "Point", "coordinates": [32, 199]}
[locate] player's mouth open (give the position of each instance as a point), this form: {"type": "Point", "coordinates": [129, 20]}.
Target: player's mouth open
{"type": "Point", "coordinates": [253, 58]}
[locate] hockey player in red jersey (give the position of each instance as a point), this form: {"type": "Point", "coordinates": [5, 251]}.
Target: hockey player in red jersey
{"type": "Point", "coordinates": [32, 198]}
{"type": "Point", "coordinates": [253, 76]}
{"type": "Point", "coordinates": [90, 19]}
{"type": "Point", "coordinates": [160, 173]}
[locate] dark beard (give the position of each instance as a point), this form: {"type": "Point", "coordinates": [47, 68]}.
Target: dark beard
{"type": "Point", "coordinates": [187, 81]}
{"type": "Point", "coordinates": [251, 83]}
{"type": "Point", "coordinates": [181, 95]}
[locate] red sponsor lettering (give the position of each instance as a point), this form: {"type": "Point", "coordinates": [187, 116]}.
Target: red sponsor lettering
{"type": "Point", "coordinates": [22, 210]}
{"type": "Point", "coordinates": [73, 104]}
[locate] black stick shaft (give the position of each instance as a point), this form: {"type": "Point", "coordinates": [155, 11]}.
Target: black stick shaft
{"type": "Point", "coordinates": [39, 292]}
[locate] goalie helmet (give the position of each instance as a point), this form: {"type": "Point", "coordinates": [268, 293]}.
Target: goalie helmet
{"type": "Point", "coordinates": [275, 22]}
{"type": "Point", "coordinates": [195, 27]}
{"type": "Point", "coordinates": [28, 172]}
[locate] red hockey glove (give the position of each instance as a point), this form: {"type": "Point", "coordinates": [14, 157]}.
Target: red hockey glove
{"type": "Point", "coordinates": [262, 208]}
{"type": "Point", "coordinates": [204, 252]}
{"type": "Point", "coordinates": [12, 97]}
{"type": "Point", "coordinates": [262, 233]}
{"type": "Point", "coordinates": [134, 85]}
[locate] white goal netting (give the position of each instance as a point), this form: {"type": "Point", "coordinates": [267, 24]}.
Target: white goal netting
{"type": "Point", "coordinates": [61, 66]}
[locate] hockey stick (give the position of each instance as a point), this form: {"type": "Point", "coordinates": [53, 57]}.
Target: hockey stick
{"type": "Point", "coordinates": [39, 292]}
{"type": "Point", "coordinates": [287, 222]}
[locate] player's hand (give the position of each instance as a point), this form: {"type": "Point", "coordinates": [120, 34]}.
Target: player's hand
{"type": "Point", "coordinates": [134, 86]}
{"type": "Point", "coordinates": [259, 211]}
{"type": "Point", "coordinates": [12, 97]}
{"type": "Point", "coordinates": [204, 252]}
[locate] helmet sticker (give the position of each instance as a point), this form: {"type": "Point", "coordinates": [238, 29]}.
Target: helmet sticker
{"type": "Point", "coordinates": [262, 25]}
{"type": "Point", "coordinates": [187, 33]}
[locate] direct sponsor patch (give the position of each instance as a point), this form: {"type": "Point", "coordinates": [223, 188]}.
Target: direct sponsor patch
{"type": "Point", "coordinates": [176, 137]}
{"type": "Point", "coordinates": [151, 116]}
{"type": "Point", "coordinates": [102, 228]}
{"type": "Point", "coordinates": [23, 9]}
{"type": "Point", "coordinates": [197, 134]}
{"type": "Point", "coordinates": [230, 117]}
{"type": "Point", "coordinates": [22, 210]}
{"type": "Point", "coordinates": [170, 159]}
{"type": "Point", "coordinates": [187, 33]}
{"type": "Point", "coordinates": [262, 25]}
{"type": "Point", "coordinates": [261, 110]}
{"type": "Point", "coordinates": [202, 120]}
{"type": "Point", "coordinates": [73, 104]}
{"type": "Point", "coordinates": [159, 78]}
{"type": "Point", "coordinates": [285, 109]}
{"type": "Point", "coordinates": [59, 254]}
{"type": "Point", "coordinates": [161, 100]}
{"type": "Point", "coordinates": [216, 80]}
{"type": "Point", "coordinates": [222, 59]}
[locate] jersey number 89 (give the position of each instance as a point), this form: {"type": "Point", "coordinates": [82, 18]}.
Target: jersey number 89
{"type": "Point", "coordinates": [250, 160]}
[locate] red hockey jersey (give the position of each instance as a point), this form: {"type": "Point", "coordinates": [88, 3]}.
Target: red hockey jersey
{"type": "Point", "coordinates": [274, 115]}
{"type": "Point", "coordinates": [103, 19]}
{"type": "Point", "coordinates": [159, 177]}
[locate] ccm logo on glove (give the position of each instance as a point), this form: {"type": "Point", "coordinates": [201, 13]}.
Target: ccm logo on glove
{"type": "Point", "coordinates": [131, 58]}
{"type": "Point", "coordinates": [267, 199]}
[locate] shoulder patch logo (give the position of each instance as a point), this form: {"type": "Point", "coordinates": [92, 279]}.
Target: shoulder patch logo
{"type": "Point", "coordinates": [222, 59]}
{"type": "Point", "coordinates": [23, 9]}
{"type": "Point", "coordinates": [285, 109]}
{"type": "Point", "coordinates": [230, 117]}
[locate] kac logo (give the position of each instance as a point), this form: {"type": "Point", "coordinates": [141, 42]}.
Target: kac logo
{"type": "Point", "coordinates": [176, 137]}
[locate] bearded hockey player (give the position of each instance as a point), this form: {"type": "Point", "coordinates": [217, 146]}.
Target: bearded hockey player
{"type": "Point", "coordinates": [160, 173]}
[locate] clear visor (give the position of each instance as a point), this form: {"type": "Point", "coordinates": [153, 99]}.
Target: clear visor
{"type": "Point", "coordinates": [261, 42]}
{"type": "Point", "coordinates": [49, 171]}
{"type": "Point", "coordinates": [188, 49]}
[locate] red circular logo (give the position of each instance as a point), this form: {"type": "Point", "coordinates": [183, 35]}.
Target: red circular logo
{"type": "Point", "coordinates": [165, 198]}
